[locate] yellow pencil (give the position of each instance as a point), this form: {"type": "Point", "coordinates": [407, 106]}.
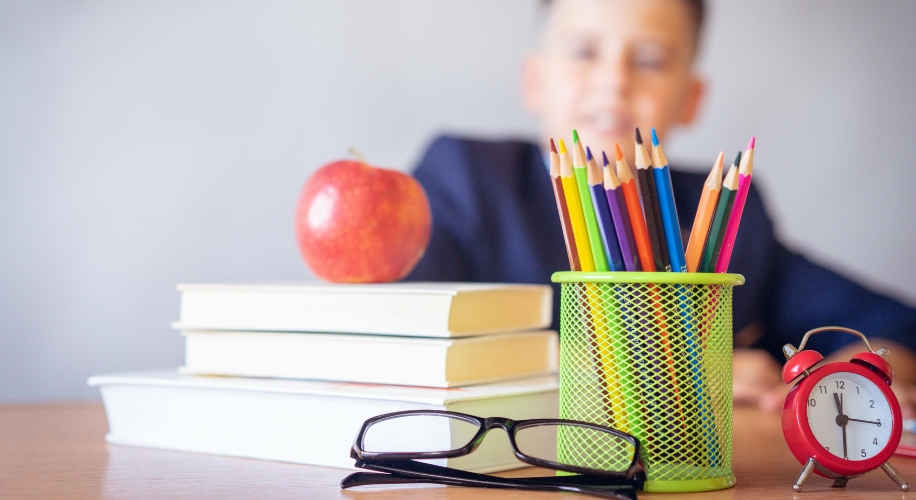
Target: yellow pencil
{"type": "Point", "coordinates": [705, 210]}
{"type": "Point", "coordinates": [576, 216]}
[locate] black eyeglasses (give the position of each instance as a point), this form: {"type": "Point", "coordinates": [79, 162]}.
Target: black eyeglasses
{"type": "Point", "coordinates": [607, 462]}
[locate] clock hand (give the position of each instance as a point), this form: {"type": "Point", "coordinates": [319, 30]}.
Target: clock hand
{"type": "Point", "coordinates": [841, 420]}
{"type": "Point", "coordinates": [845, 454]}
{"type": "Point", "coordinates": [864, 421]}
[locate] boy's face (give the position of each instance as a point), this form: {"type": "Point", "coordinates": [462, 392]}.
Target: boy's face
{"type": "Point", "coordinates": [608, 66]}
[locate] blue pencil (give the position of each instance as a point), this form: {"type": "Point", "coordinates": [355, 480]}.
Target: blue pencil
{"type": "Point", "coordinates": [603, 213]}
{"type": "Point", "coordinates": [662, 175]}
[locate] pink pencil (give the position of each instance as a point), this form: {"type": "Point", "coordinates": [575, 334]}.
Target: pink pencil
{"type": "Point", "coordinates": [745, 173]}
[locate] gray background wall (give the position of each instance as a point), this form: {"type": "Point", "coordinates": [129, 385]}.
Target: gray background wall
{"type": "Point", "coordinates": [144, 144]}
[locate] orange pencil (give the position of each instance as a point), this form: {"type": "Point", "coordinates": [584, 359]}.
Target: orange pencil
{"type": "Point", "coordinates": [640, 231]}
{"type": "Point", "coordinates": [705, 210]}
{"type": "Point", "coordinates": [576, 216]}
{"type": "Point", "coordinates": [563, 209]}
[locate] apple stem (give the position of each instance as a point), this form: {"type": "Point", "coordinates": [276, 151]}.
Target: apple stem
{"type": "Point", "coordinates": [359, 156]}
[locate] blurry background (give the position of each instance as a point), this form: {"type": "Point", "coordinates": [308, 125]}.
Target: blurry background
{"type": "Point", "coordinates": [143, 144]}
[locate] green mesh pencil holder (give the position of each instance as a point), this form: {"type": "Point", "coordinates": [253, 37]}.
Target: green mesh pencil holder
{"type": "Point", "coordinates": [650, 354]}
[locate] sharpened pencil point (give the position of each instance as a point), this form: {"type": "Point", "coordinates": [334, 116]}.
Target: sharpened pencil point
{"type": "Point", "coordinates": [575, 136]}
{"type": "Point", "coordinates": [562, 147]}
{"type": "Point", "coordinates": [604, 157]}
{"type": "Point", "coordinates": [750, 145]}
{"type": "Point", "coordinates": [588, 154]}
{"type": "Point", "coordinates": [617, 148]}
{"type": "Point", "coordinates": [638, 136]}
{"type": "Point", "coordinates": [553, 147]}
{"type": "Point", "coordinates": [654, 137]}
{"type": "Point", "coordinates": [738, 158]}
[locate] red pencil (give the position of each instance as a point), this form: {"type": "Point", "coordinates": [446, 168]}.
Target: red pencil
{"type": "Point", "coordinates": [745, 174]}
{"type": "Point", "coordinates": [640, 231]}
{"type": "Point", "coordinates": [562, 209]}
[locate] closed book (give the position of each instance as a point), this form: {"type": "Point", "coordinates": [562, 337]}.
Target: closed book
{"type": "Point", "coordinates": [414, 309]}
{"type": "Point", "coordinates": [308, 422]}
{"type": "Point", "coordinates": [431, 362]}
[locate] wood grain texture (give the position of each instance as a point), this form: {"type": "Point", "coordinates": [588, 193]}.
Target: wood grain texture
{"type": "Point", "coordinates": [60, 452]}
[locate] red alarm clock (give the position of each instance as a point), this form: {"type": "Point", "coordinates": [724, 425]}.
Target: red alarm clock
{"type": "Point", "coordinates": [841, 420]}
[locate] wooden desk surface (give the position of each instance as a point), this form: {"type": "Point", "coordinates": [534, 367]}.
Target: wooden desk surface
{"type": "Point", "coordinates": [60, 452]}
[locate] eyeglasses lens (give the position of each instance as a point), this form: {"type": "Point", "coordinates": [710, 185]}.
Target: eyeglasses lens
{"type": "Point", "coordinates": [418, 433]}
{"type": "Point", "coordinates": [577, 446]}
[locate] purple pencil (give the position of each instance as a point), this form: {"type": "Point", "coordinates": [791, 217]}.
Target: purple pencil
{"type": "Point", "coordinates": [620, 215]}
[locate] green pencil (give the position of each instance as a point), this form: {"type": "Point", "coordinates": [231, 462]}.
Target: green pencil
{"type": "Point", "coordinates": [720, 219]}
{"type": "Point", "coordinates": [585, 195]}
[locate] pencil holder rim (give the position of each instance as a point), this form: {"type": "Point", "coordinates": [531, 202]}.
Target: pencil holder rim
{"type": "Point", "coordinates": [644, 277]}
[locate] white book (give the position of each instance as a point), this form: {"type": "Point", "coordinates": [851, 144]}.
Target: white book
{"type": "Point", "coordinates": [380, 359]}
{"type": "Point", "coordinates": [307, 422]}
{"type": "Point", "coordinates": [414, 309]}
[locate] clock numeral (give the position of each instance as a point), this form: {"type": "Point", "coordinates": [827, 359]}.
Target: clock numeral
{"type": "Point", "coordinates": [857, 390]}
{"type": "Point", "coordinates": [863, 453]}
{"type": "Point", "coordinates": [813, 402]}
{"type": "Point", "coordinates": [822, 389]}
{"type": "Point", "coordinates": [879, 422]}
{"type": "Point", "coordinates": [840, 384]}
{"type": "Point", "coordinates": [871, 403]}
{"type": "Point", "coordinates": [874, 441]}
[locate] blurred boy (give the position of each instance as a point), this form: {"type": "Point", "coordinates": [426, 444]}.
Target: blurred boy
{"type": "Point", "coordinates": [605, 67]}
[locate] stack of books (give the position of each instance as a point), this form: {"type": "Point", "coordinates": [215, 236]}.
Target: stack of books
{"type": "Point", "coordinates": [290, 372]}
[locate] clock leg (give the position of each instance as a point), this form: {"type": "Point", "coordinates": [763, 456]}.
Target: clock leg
{"type": "Point", "coordinates": [840, 482]}
{"type": "Point", "coordinates": [892, 472]}
{"type": "Point", "coordinates": [805, 474]}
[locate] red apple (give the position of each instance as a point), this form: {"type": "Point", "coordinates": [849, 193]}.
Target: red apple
{"type": "Point", "coordinates": [360, 224]}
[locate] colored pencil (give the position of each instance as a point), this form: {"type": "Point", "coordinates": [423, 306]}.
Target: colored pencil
{"type": "Point", "coordinates": [650, 206]}
{"type": "Point", "coordinates": [720, 219]}
{"type": "Point", "coordinates": [667, 208]}
{"type": "Point", "coordinates": [563, 209]}
{"type": "Point", "coordinates": [638, 223]}
{"type": "Point", "coordinates": [619, 213]}
{"type": "Point", "coordinates": [603, 214]}
{"type": "Point", "coordinates": [591, 221]}
{"type": "Point", "coordinates": [576, 217]}
{"type": "Point", "coordinates": [705, 211]}
{"type": "Point", "coordinates": [745, 174]}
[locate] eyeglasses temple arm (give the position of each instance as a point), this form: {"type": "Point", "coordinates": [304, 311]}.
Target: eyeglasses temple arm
{"type": "Point", "coordinates": [399, 472]}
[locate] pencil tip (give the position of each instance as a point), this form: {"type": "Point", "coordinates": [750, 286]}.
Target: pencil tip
{"type": "Point", "coordinates": [750, 145]}
{"type": "Point", "coordinates": [562, 147]}
{"type": "Point", "coordinates": [617, 148]}
{"type": "Point", "coordinates": [654, 137]}
{"type": "Point", "coordinates": [588, 154]}
{"type": "Point", "coordinates": [553, 147]}
{"type": "Point", "coordinates": [738, 158]}
{"type": "Point", "coordinates": [575, 136]}
{"type": "Point", "coordinates": [638, 137]}
{"type": "Point", "coordinates": [604, 157]}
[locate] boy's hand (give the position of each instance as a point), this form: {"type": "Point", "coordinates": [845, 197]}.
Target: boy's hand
{"type": "Point", "coordinates": [757, 378]}
{"type": "Point", "coordinates": [754, 374]}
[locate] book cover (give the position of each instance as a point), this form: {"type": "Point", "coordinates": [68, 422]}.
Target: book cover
{"type": "Point", "coordinates": [309, 422]}
{"type": "Point", "coordinates": [414, 309]}
{"type": "Point", "coordinates": [420, 361]}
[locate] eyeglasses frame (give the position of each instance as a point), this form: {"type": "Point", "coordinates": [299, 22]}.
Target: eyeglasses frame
{"type": "Point", "coordinates": [635, 472]}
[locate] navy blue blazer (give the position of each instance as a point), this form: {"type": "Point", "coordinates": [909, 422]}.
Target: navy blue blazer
{"type": "Point", "coordinates": [495, 220]}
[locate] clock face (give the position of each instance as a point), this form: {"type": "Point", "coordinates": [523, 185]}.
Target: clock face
{"type": "Point", "coordinates": [849, 416]}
